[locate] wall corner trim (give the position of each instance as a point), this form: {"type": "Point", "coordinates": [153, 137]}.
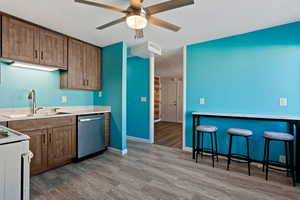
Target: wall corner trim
{"type": "Point", "coordinates": [118, 151]}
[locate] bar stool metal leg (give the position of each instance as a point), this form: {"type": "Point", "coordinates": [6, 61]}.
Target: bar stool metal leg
{"type": "Point", "coordinates": [216, 143]}
{"type": "Point", "coordinates": [264, 159]}
{"type": "Point", "coordinates": [286, 158]}
{"type": "Point", "coordinates": [198, 146]}
{"type": "Point", "coordinates": [229, 152]}
{"type": "Point", "coordinates": [267, 159]}
{"type": "Point", "coordinates": [212, 149]}
{"type": "Point", "coordinates": [248, 155]}
{"type": "Point", "coordinates": [292, 170]}
{"type": "Point", "coordinates": [202, 139]}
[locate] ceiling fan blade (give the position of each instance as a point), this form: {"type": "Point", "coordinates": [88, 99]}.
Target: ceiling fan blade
{"type": "Point", "coordinates": [169, 5]}
{"type": "Point", "coordinates": [163, 24]}
{"type": "Point", "coordinates": [136, 3]}
{"type": "Point", "coordinates": [111, 23]}
{"type": "Point", "coordinates": [100, 5]}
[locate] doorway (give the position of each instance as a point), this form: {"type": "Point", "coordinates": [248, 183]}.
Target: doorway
{"type": "Point", "coordinates": [168, 98]}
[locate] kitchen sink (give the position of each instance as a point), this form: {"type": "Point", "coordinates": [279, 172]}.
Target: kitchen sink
{"type": "Point", "coordinates": [12, 116]}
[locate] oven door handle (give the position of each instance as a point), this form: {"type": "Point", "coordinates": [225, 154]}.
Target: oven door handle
{"type": "Point", "coordinates": [26, 158]}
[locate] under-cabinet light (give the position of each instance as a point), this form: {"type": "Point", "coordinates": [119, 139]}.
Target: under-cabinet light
{"type": "Point", "coordinates": [33, 66]}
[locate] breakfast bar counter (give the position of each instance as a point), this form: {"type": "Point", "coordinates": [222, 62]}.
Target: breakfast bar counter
{"type": "Point", "coordinates": [292, 121]}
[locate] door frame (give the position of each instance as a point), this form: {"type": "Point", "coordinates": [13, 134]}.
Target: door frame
{"type": "Point", "coordinates": [151, 98]}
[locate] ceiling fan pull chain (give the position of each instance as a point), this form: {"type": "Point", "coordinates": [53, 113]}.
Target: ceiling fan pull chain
{"type": "Point", "coordinates": [139, 33]}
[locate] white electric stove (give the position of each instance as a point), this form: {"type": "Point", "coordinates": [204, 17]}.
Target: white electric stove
{"type": "Point", "coordinates": [14, 165]}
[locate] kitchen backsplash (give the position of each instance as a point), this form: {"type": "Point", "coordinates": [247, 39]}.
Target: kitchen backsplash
{"type": "Point", "coordinates": [17, 82]}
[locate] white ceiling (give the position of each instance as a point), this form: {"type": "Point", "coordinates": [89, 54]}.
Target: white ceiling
{"type": "Point", "coordinates": [206, 20]}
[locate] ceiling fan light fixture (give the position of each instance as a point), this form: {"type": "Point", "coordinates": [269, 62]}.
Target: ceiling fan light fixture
{"type": "Point", "coordinates": [137, 21]}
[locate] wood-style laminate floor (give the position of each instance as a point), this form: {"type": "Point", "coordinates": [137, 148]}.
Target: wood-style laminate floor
{"type": "Point", "coordinates": [151, 172]}
{"type": "Point", "coordinates": [168, 134]}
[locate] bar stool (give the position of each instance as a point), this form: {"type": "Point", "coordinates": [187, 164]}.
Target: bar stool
{"type": "Point", "coordinates": [288, 140]}
{"type": "Point", "coordinates": [212, 130]}
{"type": "Point", "coordinates": [239, 132]}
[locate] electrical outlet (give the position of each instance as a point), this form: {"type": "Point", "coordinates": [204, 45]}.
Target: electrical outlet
{"type": "Point", "coordinates": [202, 101]}
{"type": "Point", "coordinates": [100, 94]}
{"type": "Point", "coordinates": [143, 99]}
{"type": "Point", "coordinates": [282, 159]}
{"type": "Point", "coordinates": [283, 101]}
{"type": "Point", "coordinates": [64, 99]}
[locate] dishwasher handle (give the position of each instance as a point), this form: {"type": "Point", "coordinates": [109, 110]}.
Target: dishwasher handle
{"type": "Point", "coordinates": [90, 119]}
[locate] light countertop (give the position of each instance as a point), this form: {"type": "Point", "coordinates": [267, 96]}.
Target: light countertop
{"type": "Point", "coordinates": [24, 113]}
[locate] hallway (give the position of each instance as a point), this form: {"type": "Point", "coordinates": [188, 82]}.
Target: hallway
{"type": "Point", "coordinates": [168, 134]}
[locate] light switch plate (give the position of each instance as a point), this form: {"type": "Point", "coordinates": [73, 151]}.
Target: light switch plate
{"type": "Point", "coordinates": [100, 94]}
{"type": "Point", "coordinates": [283, 101]}
{"type": "Point", "coordinates": [143, 99]}
{"type": "Point", "coordinates": [202, 101]}
{"type": "Point", "coordinates": [64, 99]}
{"type": "Point", "coordinates": [282, 159]}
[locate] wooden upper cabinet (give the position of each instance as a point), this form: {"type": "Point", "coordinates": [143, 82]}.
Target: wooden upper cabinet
{"type": "Point", "coordinates": [25, 42]}
{"type": "Point", "coordinates": [53, 49]}
{"type": "Point", "coordinates": [92, 68]}
{"type": "Point", "coordinates": [74, 77]}
{"type": "Point", "coordinates": [20, 40]}
{"type": "Point", "coordinates": [83, 67]}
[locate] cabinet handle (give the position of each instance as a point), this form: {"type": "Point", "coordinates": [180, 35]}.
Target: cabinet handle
{"type": "Point", "coordinates": [35, 53]}
{"type": "Point", "coordinates": [87, 82]}
{"type": "Point", "coordinates": [42, 55]}
{"type": "Point", "coordinates": [50, 138]}
{"type": "Point", "coordinates": [44, 139]}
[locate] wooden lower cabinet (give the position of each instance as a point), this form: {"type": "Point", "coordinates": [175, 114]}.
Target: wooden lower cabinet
{"type": "Point", "coordinates": [52, 141]}
{"type": "Point", "coordinates": [3, 123]}
{"type": "Point", "coordinates": [38, 146]}
{"type": "Point", "coordinates": [61, 145]}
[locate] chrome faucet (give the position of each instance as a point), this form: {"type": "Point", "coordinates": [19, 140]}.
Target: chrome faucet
{"type": "Point", "coordinates": [32, 96]}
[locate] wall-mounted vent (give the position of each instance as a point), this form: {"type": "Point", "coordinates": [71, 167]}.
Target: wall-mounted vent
{"type": "Point", "coordinates": [145, 50]}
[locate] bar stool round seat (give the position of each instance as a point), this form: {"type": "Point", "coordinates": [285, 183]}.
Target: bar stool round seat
{"type": "Point", "coordinates": [207, 129]}
{"type": "Point", "coordinates": [278, 136]}
{"type": "Point", "coordinates": [240, 132]}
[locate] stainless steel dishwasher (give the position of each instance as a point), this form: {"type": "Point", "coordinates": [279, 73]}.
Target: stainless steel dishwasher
{"type": "Point", "coordinates": [90, 135]}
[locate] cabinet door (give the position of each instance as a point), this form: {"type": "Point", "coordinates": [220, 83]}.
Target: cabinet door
{"type": "Point", "coordinates": [76, 62]}
{"type": "Point", "coordinates": [38, 146]}
{"type": "Point", "coordinates": [61, 145]}
{"type": "Point", "coordinates": [53, 49]}
{"type": "Point", "coordinates": [20, 40]}
{"type": "Point", "coordinates": [92, 68]}
{"type": "Point", "coordinates": [3, 123]}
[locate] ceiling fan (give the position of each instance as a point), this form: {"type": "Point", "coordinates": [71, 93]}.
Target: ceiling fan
{"type": "Point", "coordinates": [137, 16]}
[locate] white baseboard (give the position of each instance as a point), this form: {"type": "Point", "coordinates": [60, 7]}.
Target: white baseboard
{"type": "Point", "coordinates": [187, 149]}
{"type": "Point", "coordinates": [118, 151]}
{"type": "Point", "coordinates": [136, 139]}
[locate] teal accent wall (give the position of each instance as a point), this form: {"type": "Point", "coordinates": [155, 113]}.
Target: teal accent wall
{"type": "Point", "coordinates": [137, 87]}
{"type": "Point", "coordinates": [16, 83]}
{"type": "Point", "coordinates": [114, 84]}
{"type": "Point", "coordinates": [245, 74]}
